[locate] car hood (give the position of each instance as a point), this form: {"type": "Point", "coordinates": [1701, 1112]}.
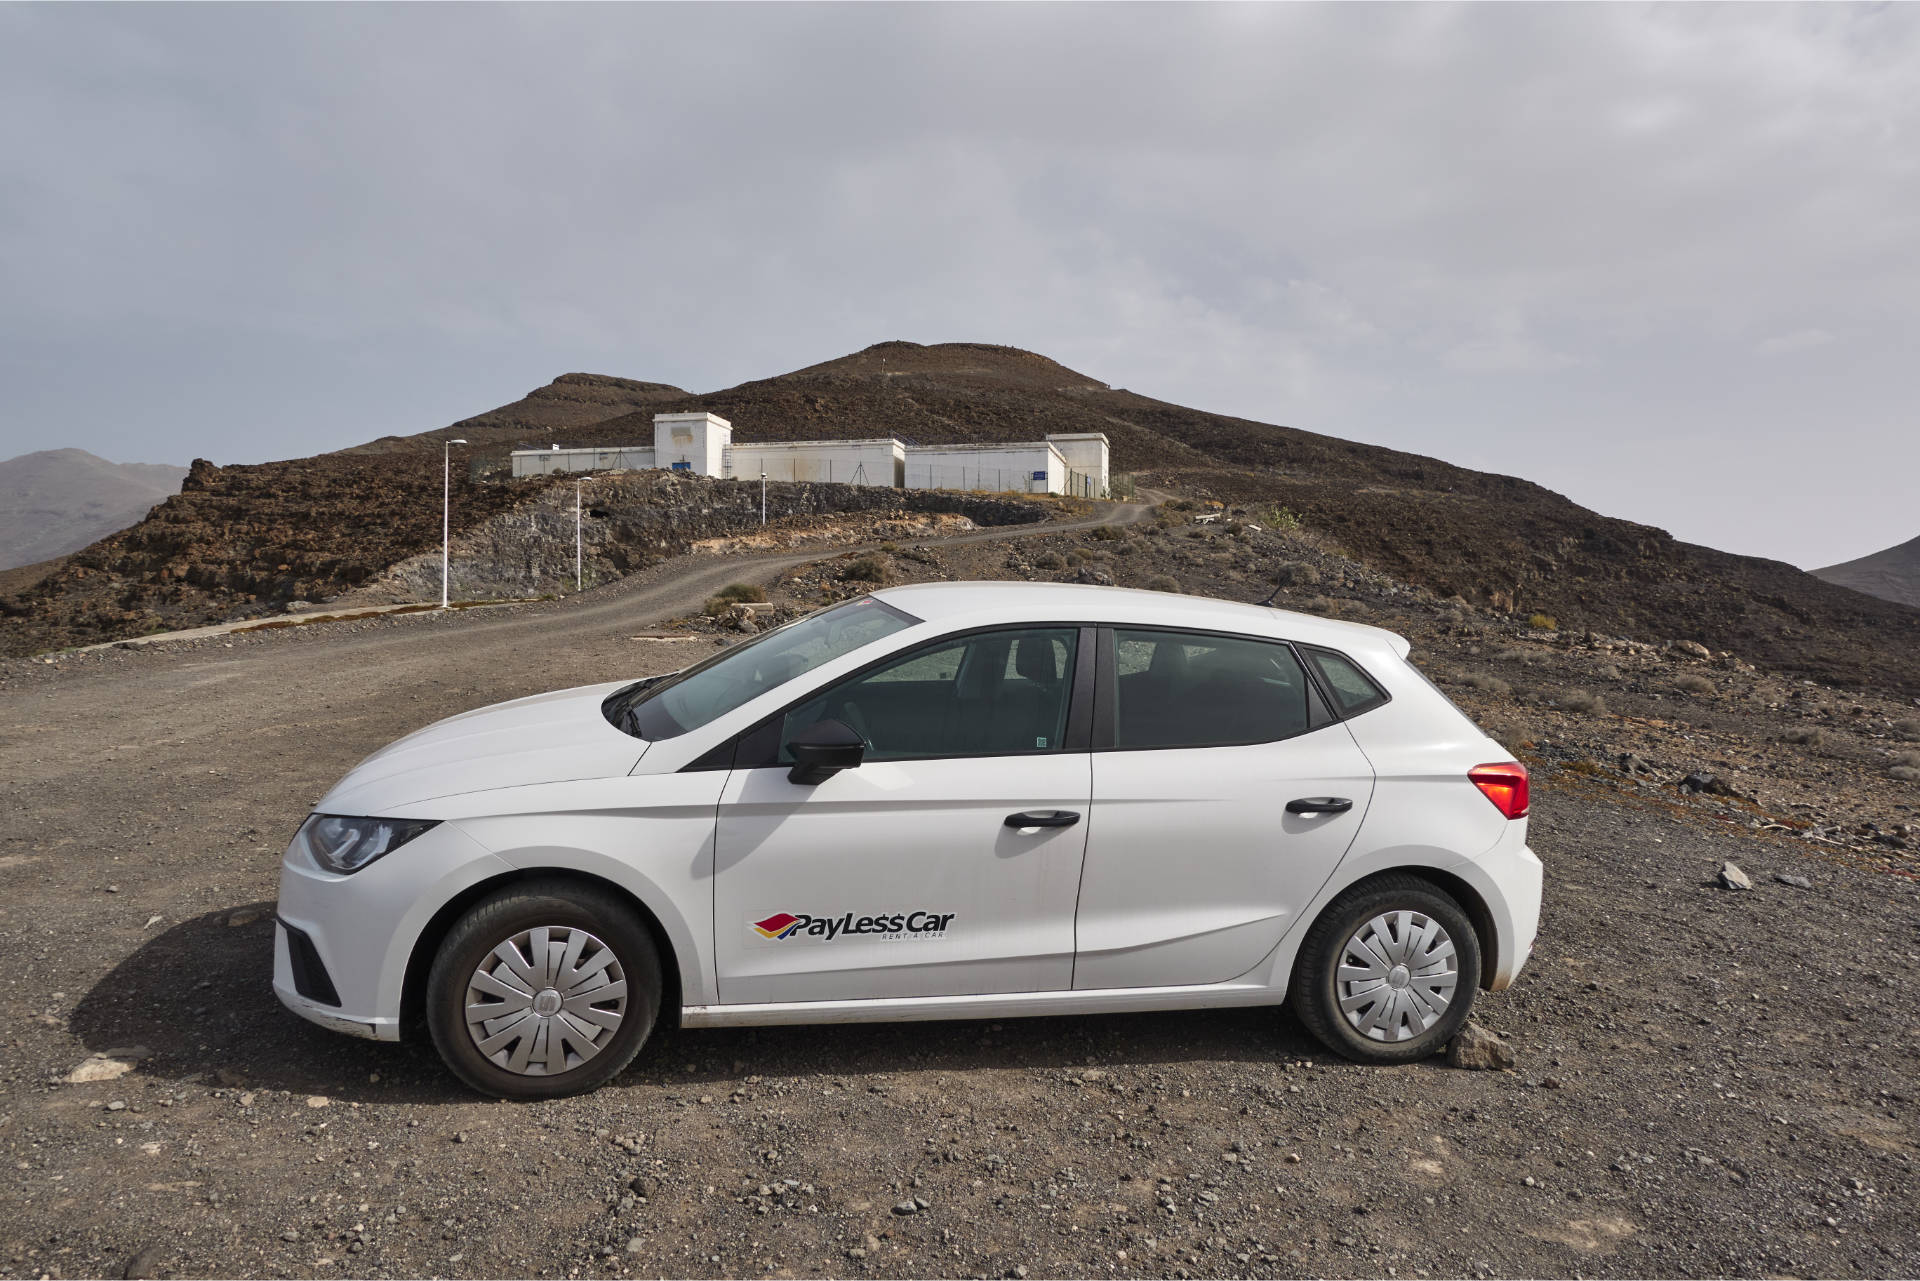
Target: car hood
{"type": "Point", "coordinates": [548, 738]}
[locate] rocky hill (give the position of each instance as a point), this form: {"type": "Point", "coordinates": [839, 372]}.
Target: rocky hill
{"type": "Point", "coordinates": [57, 501]}
{"type": "Point", "coordinates": [1497, 542]}
{"type": "Point", "coordinates": [1893, 574]}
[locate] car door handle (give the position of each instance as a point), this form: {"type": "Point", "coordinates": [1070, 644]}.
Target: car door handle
{"type": "Point", "coordinates": [1044, 818]}
{"type": "Point", "coordinates": [1319, 805]}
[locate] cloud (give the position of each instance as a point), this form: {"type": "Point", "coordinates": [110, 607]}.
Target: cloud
{"type": "Point", "coordinates": [250, 231]}
{"type": "Point", "coordinates": [1798, 340]}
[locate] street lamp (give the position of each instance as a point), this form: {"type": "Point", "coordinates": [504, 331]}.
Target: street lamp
{"type": "Point", "coordinates": [446, 513]}
{"type": "Point", "coordinates": [763, 498]}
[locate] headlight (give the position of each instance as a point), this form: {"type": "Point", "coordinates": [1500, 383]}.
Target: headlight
{"type": "Point", "coordinates": [348, 844]}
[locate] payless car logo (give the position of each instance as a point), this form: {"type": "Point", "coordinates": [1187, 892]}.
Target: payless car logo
{"type": "Point", "coordinates": [886, 925]}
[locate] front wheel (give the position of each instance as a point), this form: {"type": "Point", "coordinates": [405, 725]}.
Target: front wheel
{"type": "Point", "coordinates": [1388, 972]}
{"type": "Point", "coordinates": [542, 990]}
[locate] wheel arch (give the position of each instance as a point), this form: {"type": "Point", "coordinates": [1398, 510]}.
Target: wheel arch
{"type": "Point", "coordinates": [413, 992]}
{"type": "Point", "coordinates": [1461, 891]}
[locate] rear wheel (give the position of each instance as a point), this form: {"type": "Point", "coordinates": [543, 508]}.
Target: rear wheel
{"type": "Point", "coordinates": [1388, 972]}
{"type": "Point", "coordinates": [542, 990]}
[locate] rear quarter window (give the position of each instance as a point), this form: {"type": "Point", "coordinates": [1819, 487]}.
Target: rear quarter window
{"type": "Point", "coordinates": [1352, 689]}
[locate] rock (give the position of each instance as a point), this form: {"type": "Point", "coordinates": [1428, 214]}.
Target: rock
{"type": "Point", "coordinates": [1095, 577]}
{"type": "Point", "coordinates": [1732, 878]}
{"type": "Point", "coordinates": [247, 916]}
{"type": "Point", "coordinates": [1798, 882]}
{"type": "Point", "coordinates": [907, 1207]}
{"type": "Point", "coordinates": [1710, 784]}
{"type": "Point", "coordinates": [1693, 649]}
{"type": "Point", "coordinates": [152, 921]}
{"type": "Point", "coordinates": [143, 1266]}
{"type": "Point", "coordinates": [118, 1105]}
{"type": "Point", "coordinates": [635, 1245]}
{"type": "Point", "coordinates": [296, 606]}
{"type": "Point", "coordinates": [1631, 764]}
{"type": "Point", "coordinates": [109, 1065]}
{"type": "Point", "coordinates": [319, 1101]}
{"type": "Point", "coordinates": [1478, 1050]}
{"type": "Point", "coordinates": [641, 1186]}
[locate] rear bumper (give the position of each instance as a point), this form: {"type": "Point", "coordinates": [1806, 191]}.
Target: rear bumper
{"type": "Point", "coordinates": [1512, 894]}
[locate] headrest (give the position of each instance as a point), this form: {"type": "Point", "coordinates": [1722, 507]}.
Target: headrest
{"type": "Point", "coordinates": [1034, 658]}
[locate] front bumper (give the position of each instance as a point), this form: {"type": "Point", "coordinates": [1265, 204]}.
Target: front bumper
{"type": "Point", "coordinates": [351, 937]}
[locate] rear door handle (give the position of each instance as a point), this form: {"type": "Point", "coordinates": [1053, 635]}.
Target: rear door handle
{"type": "Point", "coordinates": [1044, 818]}
{"type": "Point", "coordinates": [1319, 805]}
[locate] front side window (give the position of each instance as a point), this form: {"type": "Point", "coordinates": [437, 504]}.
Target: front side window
{"type": "Point", "coordinates": [989, 694]}
{"type": "Point", "coordinates": [1178, 689]}
{"type": "Point", "coordinates": [673, 705]}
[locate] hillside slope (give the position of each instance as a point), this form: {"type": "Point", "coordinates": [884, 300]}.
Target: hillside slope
{"type": "Point", "coordinates": [1892, 574]}
{"type": "Point", "coordinates": [1498, 542]}
{"type": "Point", "coordinates": [58, 500]}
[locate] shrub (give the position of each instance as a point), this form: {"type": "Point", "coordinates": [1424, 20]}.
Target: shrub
{"type": "Point", "coordinates": [1281, 520]}
{"type": "Point", "coordinates": [1808, 736]}
{"type": "Point", "coordinates": [1179, 505]}
{"type": "Point", "coordinates": [1907, 730]}
{"type": "Point", "coordinates": [1163, 583]}
{"type": "Point", "coordinates": [1295, 573]}
{"type": "Point", "coordinates": [1607, 672]}
{"type": "Point", "coordinates": [1578, 700]}
{"type": "Point", "coordinates": [866, 569]}
{"type": "Point", "coordinates": [1080, 555]}
{"type": "Point", "coordinates": [1050, 560]}
{"type": "Point", "coordinates": [889, 548]}
{"type": "Point", "coordinates": [1904, 774]}
{"type": "Point", "coordinates": [1543, 623]}
{"type": "Point", "coordinates": [1908, 759]}
{"type": "Point", "coordinates": [741, 592]}
{"type": "Point", "coordinates": [1490, 684]}
{"type": "Point", "coordinates": [1514, 654]}
{"type": "Point", "coordinates": [1693, 683]}
{"type": "Point", "coordinates": [1106, 533]}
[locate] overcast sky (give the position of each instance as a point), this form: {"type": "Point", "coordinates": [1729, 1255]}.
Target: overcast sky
{"type": "Point", "coordinates": [1663, 260]}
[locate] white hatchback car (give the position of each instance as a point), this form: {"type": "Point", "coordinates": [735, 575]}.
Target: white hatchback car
{"type": "Point", "coordinates": [947, 801]}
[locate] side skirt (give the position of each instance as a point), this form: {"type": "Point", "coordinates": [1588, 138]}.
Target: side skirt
{"type": "Point", "coordinates": [996, 1005]}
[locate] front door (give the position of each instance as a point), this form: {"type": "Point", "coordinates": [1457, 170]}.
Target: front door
{"type": "Point", "coordinates": [902, 877]}
{"type": "Point", "coordinates": [1194, 866]}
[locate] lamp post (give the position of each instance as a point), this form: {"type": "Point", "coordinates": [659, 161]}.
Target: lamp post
{"type": "Point", "coordinates": [763, 498]}
{"type": "Point", "coordinates": [446, 513]}
{"type": "Point", "coordinates": [576, 537]}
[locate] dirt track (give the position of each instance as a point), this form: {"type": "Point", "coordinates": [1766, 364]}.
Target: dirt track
{"type": "Point", "coordinates": [1709, 1082]}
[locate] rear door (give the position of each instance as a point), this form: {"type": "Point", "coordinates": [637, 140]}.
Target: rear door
{"type": "Point", "coordinates": [1195, 867]}
{"type": "Point", "coordinates": [902, 877]}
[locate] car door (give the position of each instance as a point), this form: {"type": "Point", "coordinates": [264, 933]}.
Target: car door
{"type": "Point", "coordinates": [902, 877]}
{"type": "Point", "coordinates": [1195, 867]}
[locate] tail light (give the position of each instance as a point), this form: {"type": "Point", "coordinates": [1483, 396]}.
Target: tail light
{"type": "Point", "coordinates": [1505, 785]}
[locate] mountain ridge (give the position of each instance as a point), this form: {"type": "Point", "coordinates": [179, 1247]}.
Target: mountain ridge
{"type": "Point", "coordinates": [1893, 573]}
{"type": "Point", "coordinates": [55, 501]}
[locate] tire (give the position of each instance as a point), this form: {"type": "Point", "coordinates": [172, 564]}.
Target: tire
{"type": "Point", "coordinates": [1397, 1034]}
{"type": "Point", "coordinates": [563, 1028]}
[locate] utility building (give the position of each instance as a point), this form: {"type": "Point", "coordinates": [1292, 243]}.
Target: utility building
{"type": "Point", "coordinates": [702, 445]}
{"type": "Point", "coordinates": [843, 462]}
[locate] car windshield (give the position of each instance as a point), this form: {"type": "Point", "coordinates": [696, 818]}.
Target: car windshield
{"type": "Point", "coordinates": [668, 706]}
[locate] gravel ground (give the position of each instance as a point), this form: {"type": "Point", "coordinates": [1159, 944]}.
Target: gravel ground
{"type": "Point", "coordinates": [1708, 1081]}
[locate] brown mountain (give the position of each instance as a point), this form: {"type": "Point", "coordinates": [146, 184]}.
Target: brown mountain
{"type": "Point", "coordinates": [58, 500]}
{"type": "Point", "coordinates": [1499, 542]}
{"type": "Point", "coordinates": [1893, 574]}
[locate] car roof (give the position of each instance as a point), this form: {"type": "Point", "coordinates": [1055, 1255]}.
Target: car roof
{"type": "Point", "coordinates": [978, 603]}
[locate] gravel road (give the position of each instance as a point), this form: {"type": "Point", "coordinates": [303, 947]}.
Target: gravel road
{"type": "Point", "coordinates": [1708, 1081]}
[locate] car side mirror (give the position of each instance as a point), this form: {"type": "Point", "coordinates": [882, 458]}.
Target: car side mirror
{"type": "Point", "coordinates": [822, 750]}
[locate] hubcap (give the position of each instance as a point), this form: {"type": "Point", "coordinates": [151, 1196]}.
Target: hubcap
{"type": "Point", "coordinates": [1397, 976]}
{"type": "Point", "coordinates": [546, 1000]}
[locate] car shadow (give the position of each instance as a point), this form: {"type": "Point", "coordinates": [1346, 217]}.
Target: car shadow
{"type": "Point", "coordinates": [198, 999]}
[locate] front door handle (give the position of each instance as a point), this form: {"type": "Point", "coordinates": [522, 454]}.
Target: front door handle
{"type": "Point", "coordinates": [1319, 805]}
{"type": "Point", "coordinates": [1044, 818]}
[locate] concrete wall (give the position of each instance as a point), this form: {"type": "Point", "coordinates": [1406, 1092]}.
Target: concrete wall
{"type": "Point", "coordinates": [545, 462]}
{"type": "Point", "coordinates": [844, 462]}
{"type": "Point", "coordinates": [1087, 462]}
{"type": "Point", "coordinates": [691, 442]}
{"type": "Point", "coordinates": [1035, 468]}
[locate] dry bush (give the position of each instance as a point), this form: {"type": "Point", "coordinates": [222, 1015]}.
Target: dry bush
{"type": "Point", "coordinates": [1607, 672]}
{"type": "Point", "coordinates": [1693, 684]}
{"type": "Point", "coordinates": [1163, 583]}
{"type": "Point", "coordinates": [1295, 573]}
{"type": "Point", "coordinates": [1488, 684]}
{"type": "Point", "coordinates": [1907, 759]}
{"type": "Point", "coordinates": [1907, 730]}
{"type": "Point", "coordinates": [1543, 623]}
{"type": "Point", "coordinates": [1807, 736]}
{"type": "Point", "coordinates": [1514, 654]}
{"type": "Point", "coordinates": [1079, 555]}
{"type": "Point", "coordinates": [1050, 560]}
{"type": "Point", "coordinates": [866, 569]}
{"type": "Point", "coordinates": [1107, 533]}
{"type": "Point", "coordinates": [1578, 700]}
{"type": "Point", "coordinates": [1904, 774]}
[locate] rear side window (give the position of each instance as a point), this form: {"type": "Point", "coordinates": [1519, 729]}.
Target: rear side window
{"type": "Point", "coordinates": [1180, 689]}
{"type": "Point", "coordinates": [1352, 689]}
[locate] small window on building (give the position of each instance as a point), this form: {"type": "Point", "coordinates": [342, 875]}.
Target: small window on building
{"type": "Point", "coordinates": [1353, 690]}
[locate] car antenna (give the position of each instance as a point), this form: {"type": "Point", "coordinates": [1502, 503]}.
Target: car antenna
{"type": "Point", "coordinates": [1272, 594]}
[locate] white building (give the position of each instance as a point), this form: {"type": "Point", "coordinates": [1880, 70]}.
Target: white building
{"type": "Point", "coordinates": [842, 462]}
{"type": "Point", "coordinates": [702, 444]}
